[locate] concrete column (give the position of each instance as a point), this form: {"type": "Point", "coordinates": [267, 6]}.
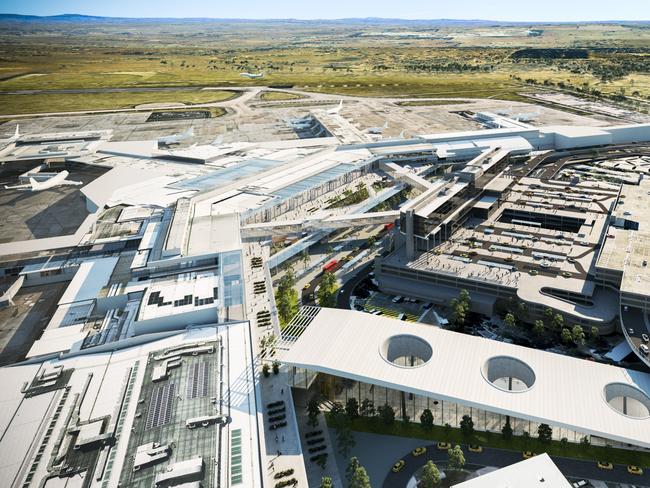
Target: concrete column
{"type": "Point", "coordinates": [410, 237]}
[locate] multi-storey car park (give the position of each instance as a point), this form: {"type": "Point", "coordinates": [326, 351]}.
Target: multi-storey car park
{"type": "Point", "coordinates": [148, 369]}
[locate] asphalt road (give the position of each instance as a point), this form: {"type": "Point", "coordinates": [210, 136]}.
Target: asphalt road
{"type": "Point", "coordinates": [571, 468]}
{"type": "Point", "coordinates": [343, 298]}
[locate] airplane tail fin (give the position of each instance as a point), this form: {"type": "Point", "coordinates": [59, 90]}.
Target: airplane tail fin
{"type": "Point", "coordinates": [386, 125]}
{"type": "Point", "coordinates": [17, 133]}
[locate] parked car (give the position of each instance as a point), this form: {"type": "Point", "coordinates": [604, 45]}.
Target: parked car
{"type": "Point", "coordinates": [645, 337]}
{"type": "Point", "coordinates": [418, 451]}
{"type": "Point", "coordinates": [444, 446]}
{"type": "Point", "coordinates": [528, 454]}
{"type": "Point", "coordinates": [605, 465]}
{"type": "Point", "coordinates": [632, 469]}
{"type": "Point", "coordinates": [398, 466]}
{"type": "Point", "coordinates": [475, 448]}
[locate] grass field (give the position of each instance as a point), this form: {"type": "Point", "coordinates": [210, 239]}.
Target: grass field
{"type": "Point", "coordinates": [276, 96]}
{"type": "Point", "coordinates": [490, 439]}
{"type": "Point", "coordinates": [43, 103]}
{"type": "Point", "coordinates": [362, 60]}
{"type": "Point", "coordinates": [430, 103]}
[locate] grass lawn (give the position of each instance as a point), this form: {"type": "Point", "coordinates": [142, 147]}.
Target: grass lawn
{"type": "Point", "coordinates": [65, 102]}
{"type": "Point", "coordinates": [489, 439]}
{"type": "Point", "coordinates": [275, 96]}
{"type": "Point", "coordinates": [426, 103]}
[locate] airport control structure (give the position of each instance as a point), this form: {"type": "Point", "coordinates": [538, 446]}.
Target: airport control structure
{"type": "Point", "coordinates": [148, 370]}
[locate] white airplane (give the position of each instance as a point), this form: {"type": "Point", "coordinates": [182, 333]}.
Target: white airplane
{"type": "Point", "coordinates": [377, 130]}
{"type": "Point", "coordinates": [302, 125]}
{"type": "Point", "coordinates": [176, 138]}
{"type": "Point", "coordinates": [58, 180]}
{"type": "Point", "coordinates": [336, 109]}
{"type": "Point", "coordinates": [13, 138]}
{"type": "Point", "coordinates": [252, 76]}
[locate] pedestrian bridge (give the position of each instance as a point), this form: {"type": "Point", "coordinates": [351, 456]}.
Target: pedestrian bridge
{"type": "Point", "coordinates": [309, 224]}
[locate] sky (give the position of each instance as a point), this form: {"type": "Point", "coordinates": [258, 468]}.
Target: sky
{"type": "Point", "coordinates": [506, 10]}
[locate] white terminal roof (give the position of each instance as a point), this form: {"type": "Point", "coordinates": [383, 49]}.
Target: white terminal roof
{"type": "Point", "coordinates": [538, 471]}
{"type": "Point", "coordinates": [347, 343]}
{"type": "Point", "coordinates": [89, 279]}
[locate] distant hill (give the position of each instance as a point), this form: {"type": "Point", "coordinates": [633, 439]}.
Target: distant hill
{"type": "Point", "coordinates": [88, 19]}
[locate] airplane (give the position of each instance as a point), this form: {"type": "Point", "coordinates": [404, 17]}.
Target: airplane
{"type": "Point", "coordinates": [337, 109]}
{"type": "Point", "coordinates": [377, 130]}
{"type": "Point", "coordinates": [252, 76]}
{"type": "Point", "coordinates": [58, 180]}
{"type": "Point", "coordinates": [13, 138]}
{"type": "Point", "coordinates": [302, 125]}
{"type": "Point", "coordinates": [176, 138]}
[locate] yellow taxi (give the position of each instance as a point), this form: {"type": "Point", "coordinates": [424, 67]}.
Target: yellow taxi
{"type": "Point", "coordinates": [418, 451]}
{"type": "Point", "coordinates": [632, 469]}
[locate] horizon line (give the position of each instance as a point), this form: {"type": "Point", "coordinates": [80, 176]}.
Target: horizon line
{"type": "Point", "coordinates": [448, 19]}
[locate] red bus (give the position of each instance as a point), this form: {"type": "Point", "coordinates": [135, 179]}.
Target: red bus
{"type": "Point", "coordinates": [389, 226]}
{"type": "Point", "coordinates": [330, 266]}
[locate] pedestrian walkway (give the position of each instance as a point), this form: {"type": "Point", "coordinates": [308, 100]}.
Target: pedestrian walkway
{"type": "Point", "coordinates": [282, 445]}
{"type": "Point", "coordinates": [314, 472]}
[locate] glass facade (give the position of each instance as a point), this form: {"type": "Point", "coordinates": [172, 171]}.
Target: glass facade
{"type": "Point", "coordinates": [411, 406]}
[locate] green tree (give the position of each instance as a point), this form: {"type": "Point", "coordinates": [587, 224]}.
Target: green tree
{"type": "Point", "coordinates": [360, 479]}
{"type": "Point", "coordinates": [387, 414]}
{"type": "Point", "coordinates": [286, 297]}
{"type": "Point", "coordinates": [548, 316]}
{"type": "Point", "coordinates": [429, 476]}
{"type": "Point", "coordinates": [337, 413]}
{"type": "Point", "coordinates": [313, 411]}
{"type": "Point", "coordinates": [510, 321]}
{"type": "Point", "coordinates": [578, 335]}
{"type": "Point", "coordinates": [327, 290]}
{"type": "Point", "coordinates": [353, 465]}
{"type": "Point", "coordinates": [558, 322]}
{"type": "Point", "coordinates": [367, 408]}
{"type": "Point", "coordinates": [426, 419]}
{"type": "Point", "coordinates": [326, 482]}
{"type": "Point", "coordinates": [467, 426]}
{"type": "Point", "coordinates": [304, 257]}
{"type": "Point", "coordinates": [538, 327]}
{"type": "Point", "coordinates": [595, 333]}
{"type": "Point", "coordinates": [458, 313]}
{"type": "Point", "coordinates": [506, 431]}
{"type": "Point", "coordinates": [456, 458]}
{"type": "Point", "coordinates": [345, 440]}
{"type": "Point", "coordinates": [460, 309]}
{"type": "Point", "coordinates": [544, 433]}
{"type": "Point", "coordinates": [352, 408]}
{"type": "Point", "coordinates": [566, 336]}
